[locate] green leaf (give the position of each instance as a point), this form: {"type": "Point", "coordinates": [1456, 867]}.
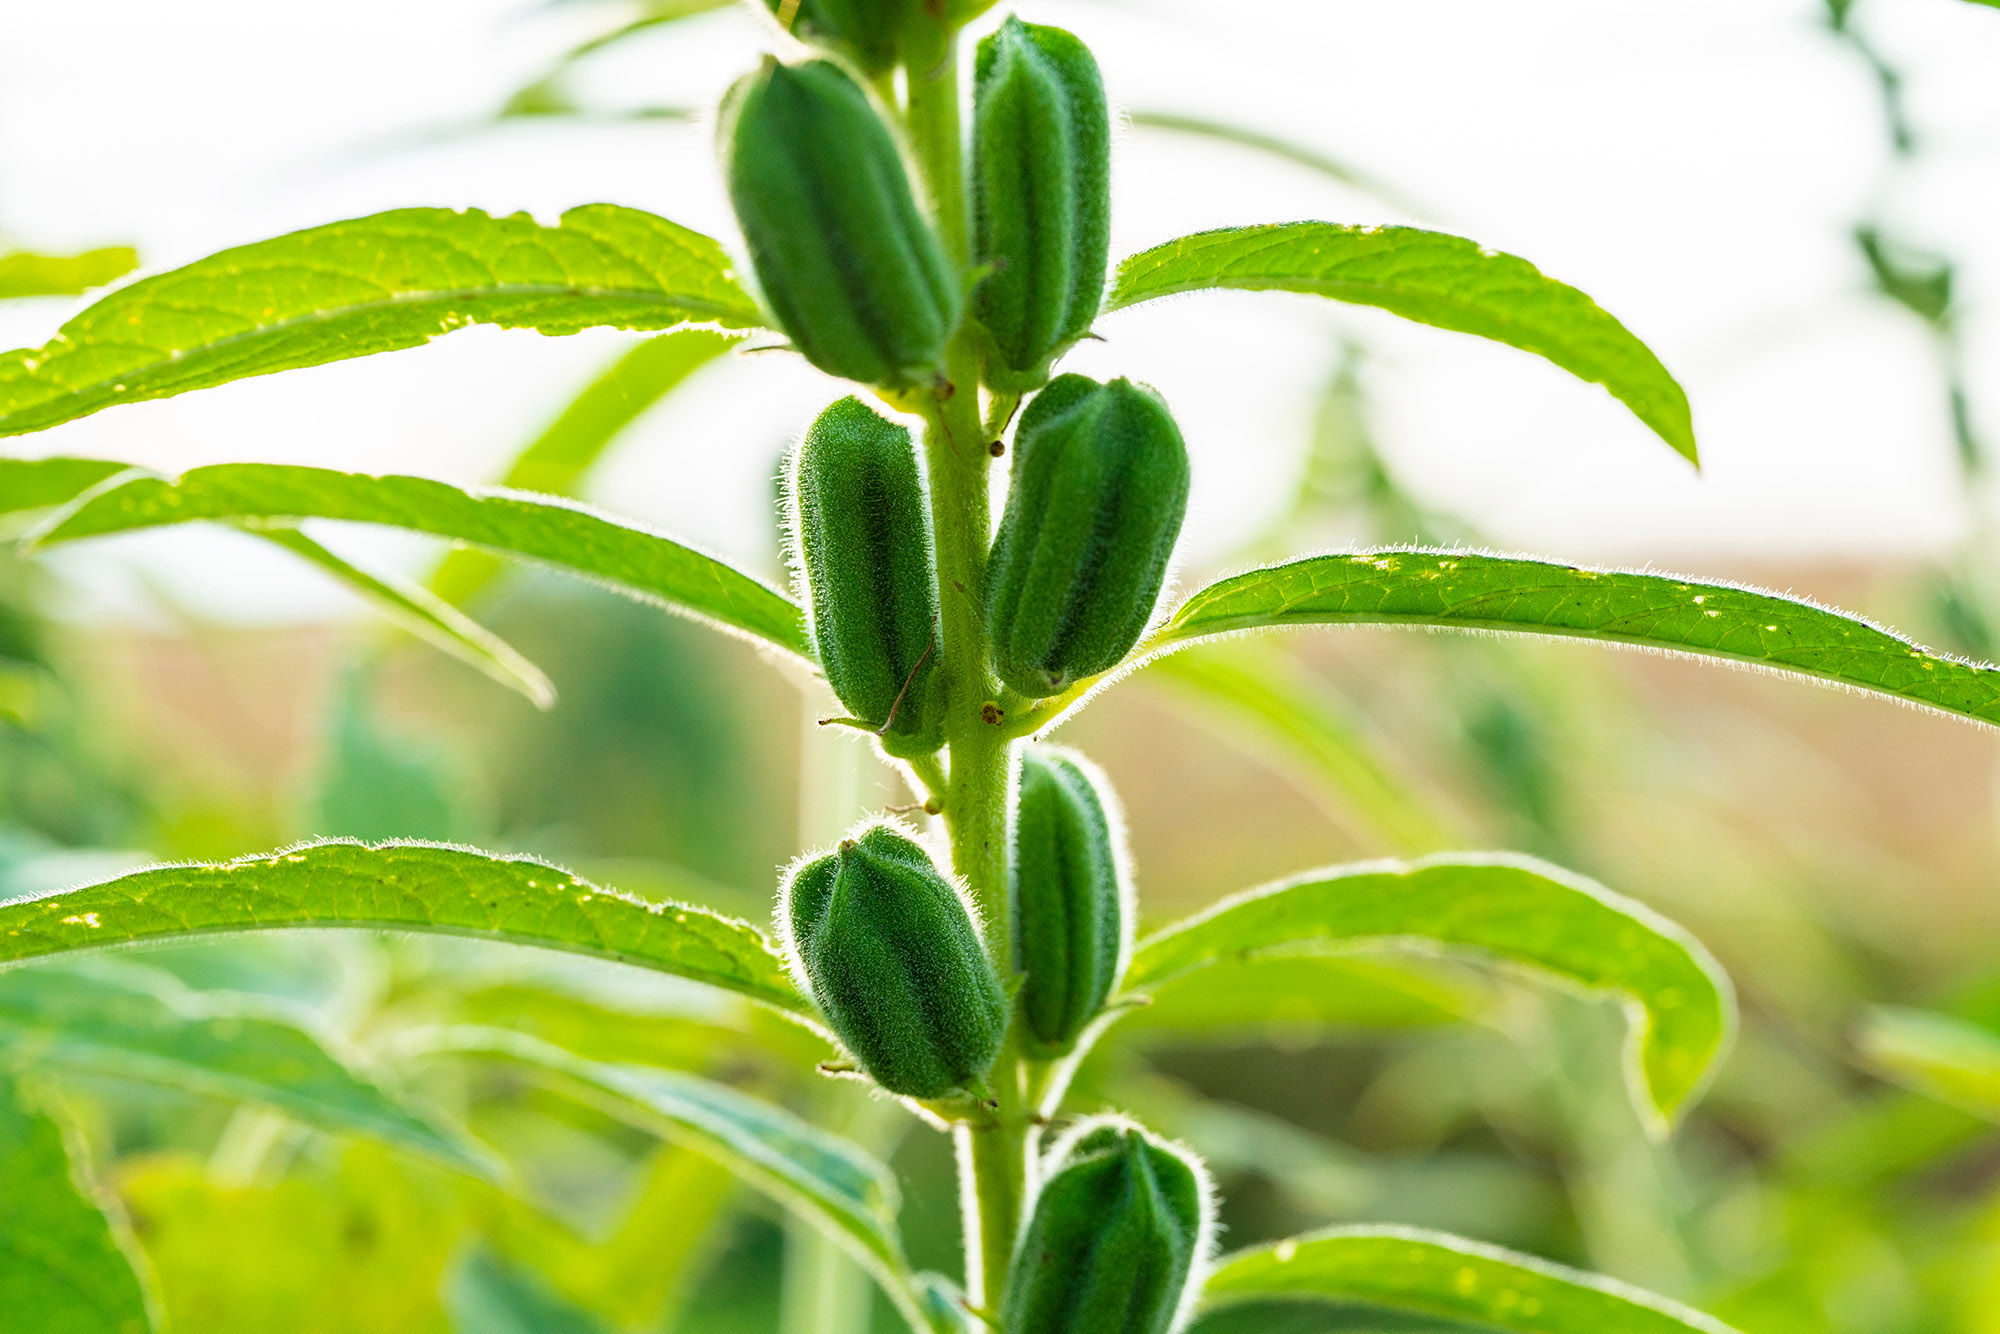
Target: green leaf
{"type": "Point", "coordinates": [1285, 998]}
{"type": "Point", "coordinates": [1407, 1270]}
{"type": "Point", "coordinates": [1444, 281]}
{"type": "Point", "coordinates": [556, 460]}
{"type": "Point", "coordinates": [1462, 590]}
{"type": "Point", "coordinates": [1946, 1058]}
{"type": "Point", "coordinates": [62, 1267]}
{"type": "Point", "coordinates": [829, 1181]}
{"type": "Point", "coordinates": [427, 616]}
{"type": "Point", "coordinates": [1512, 910]}
{"type": "Point", "coordinates": [1297, 717]}
{"type": "Point", "coordinates": [32, 484]}
{"type": "Point", "coordinates": [24, 273]}
{"type": "Point", "coordinates": [374, 284]}
{"type": "Point", "coordinates": [401, 887]}
{"type": "Point", "coordinates": [1288, 150]}
{"type": "Point", "coordinates": [140, 1024]}
{"type": "Point", "coordinates": [553, 532]}
{"type": "Point", "coordinates": [487, 1295]}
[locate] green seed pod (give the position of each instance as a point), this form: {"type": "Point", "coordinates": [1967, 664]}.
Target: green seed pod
{"type": "Point", "coordinates": [1041, 184]}
{"type": "Point", "coordinates": [1100, 486]}
{"type": "Point", "coordinates": [847, 262]}
{"type": "Point", "coordinates": [861, 532]}
{"type": "Point", "coordinates": [1072, 899]}
{"type": "Point", "coordinates": [867, 32]}
{"type": "Point", "coordinates": [1117, 1229]}
{"type": "Point", "coordinates": [889, 952]}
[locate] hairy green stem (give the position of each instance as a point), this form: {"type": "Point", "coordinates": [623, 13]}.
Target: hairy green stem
{"type": "Point", "coordinates": [993, 1150]}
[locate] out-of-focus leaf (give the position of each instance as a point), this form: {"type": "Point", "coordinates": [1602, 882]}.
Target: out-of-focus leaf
{"type": "Point", "coordinates": [360, 1244]}
{"type": "Point", "coordinates": [1288, 997]}
{"type": "Point", "coordinates": [139, 1024]}
{"type": "Point", "coordinates": [427, 616]}
{"type": "Point", "coordinates": [1513, 910]}
{"type": "Point", "coordinates": [25, 273]}
{"type": "Point", "coordinates": [640, 1274]}
{"type": "Point", "coordinates": [1937, 1055]}
{"type": "Point", "coordinates": [1301, 718]}
{"type": "Point", "coordinates": [557, 459]}
{"type": "Point", "coordinates": [487, 1295]}
{"type": "Point", "coordinates": [825, 1179]}
{"type": "Point", "coordinates": [63, 1269]}
{"type": "Point", "coordinates": [1289, 150]}
{"type": "Point", "coordinates": [1461, 590]}
{"type": "Point", "coordinates": [401, 887]}
{"type": "Point", "coordinates": [375, 284]}
{"type": "Point", "coordinates": [31, 484]}
{"type": "Point", "coordinates": [560, 533]}
{"type": "Point", "coordinates": [1432, 1274]}
{"type": "Point", "coordinates": [1444, 281]}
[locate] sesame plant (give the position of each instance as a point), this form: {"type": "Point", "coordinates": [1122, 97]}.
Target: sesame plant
{"type": "Point", "coordinates": [981, 545]}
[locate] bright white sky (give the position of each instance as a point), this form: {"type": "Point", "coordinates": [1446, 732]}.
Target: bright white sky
{"type": "Point", "coordinates": [1693, 164]}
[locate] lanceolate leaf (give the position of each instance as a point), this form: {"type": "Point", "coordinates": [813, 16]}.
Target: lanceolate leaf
{"type": "Point", "coordinates": [1514, 910]}
{"type": "Point", "coordinates": [1277, 146]}
{"type": "Point", "coordinates": [427, 616]}
{"type": "Point", "coordinates": [1286, 998]}
{"type": "Point", "coordinates": [1303, 720]}
{"type": "Point", "coordinates": [828, 1180]}
{"type": "Point", "coordinates": [62, 1270]}
{"type": "Point", "coordinates": [24, 273]}
{"type": "Point", "coordinates": [1429, 277]}
{"type": "Point", "coordinates": [1408, 1271]}
{"type": "Point", "coordinates": [32, 484]}
{"type": "Point", "coordinates": [375, 284]}
{"type": "Point", "coordinates": [1465, 591]}
{"type": "Point", "coordinates": [140, 1024]}
{"type": "Point", "coordinates": [401, 887]}
{"type": "Point", "coordinates": [556, 460]}
{"type": "Point", "coordinates": [554, 532]}
{"type": "Point", "coordinates": [1936, 1054]}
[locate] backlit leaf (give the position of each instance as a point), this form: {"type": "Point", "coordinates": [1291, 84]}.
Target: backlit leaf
{"type": "Point", "coordinates": [558, 533]}
{"type": "Point", "coordinates": [1409, 1271]}
{"type": "Point", "coordinates": [374, 284]}
{"type": "Point", "coordinates": [401, 887]}
{"type": "Point", "coordinates": [139, 1024]}
{"type": "Point", "coordinates": [1429, 277]}
{"type": "Point", "coordinates": [1461, 590]}
{"type": "Point", "coordinates": [62, 1268]}
{"type": "Point", "coordinates": [25, 273]}
{"type": "Point", "coordinates": [1512, 910]}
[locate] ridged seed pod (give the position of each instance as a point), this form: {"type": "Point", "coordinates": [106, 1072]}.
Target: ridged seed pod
{"type": "Point", "coordinates": [862, 534]}
{"type": "Point", "coordinates": [849, 266]}
{"type": "Point", "coordinates": [889, 952]}
{"type": "Point", "coordinates": [1041, 184]}
{"type": "Point", "coordinates": [867, 32]}
{"type": "Point", "coordinates": [1116, 1231]}
{"type": "Point", "coordinates": [1100, 486]}
{"type": "Point", "coordinates": [1072, 909]}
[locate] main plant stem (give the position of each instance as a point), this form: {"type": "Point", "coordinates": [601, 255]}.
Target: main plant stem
{"type": "Point", "coordinates": [993, 1150]}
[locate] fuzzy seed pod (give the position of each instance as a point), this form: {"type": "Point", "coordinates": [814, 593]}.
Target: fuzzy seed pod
{"type": "Point", "coordinates": [1100, 486]}
{"type": "Point", "coordinates": [1041, 182]}
{"type": "Point", "coordinates": [861, 530]}
{"type": "Point", "coordinates": [849, 266]}
{"type": "Point", "coordinates": [1072, 910]}
{"type": "Point", "coordinates": [867, 32]}
{"type": "Point", "coordinates": [1116, 1231]}
{"type": "Point", "coordinates": [889, 952]}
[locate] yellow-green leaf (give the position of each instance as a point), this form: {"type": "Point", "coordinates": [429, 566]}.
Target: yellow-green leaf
{"type": "Point", "coordinates": [374, 284]}
{"type": "Point", "coordinates": [1432, 278]}
{"type": "Point", "coordinates": [1512, 910]}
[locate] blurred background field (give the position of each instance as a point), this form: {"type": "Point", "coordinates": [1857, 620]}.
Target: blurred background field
{"type": "Point", "coordinates": [1791, 200]}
